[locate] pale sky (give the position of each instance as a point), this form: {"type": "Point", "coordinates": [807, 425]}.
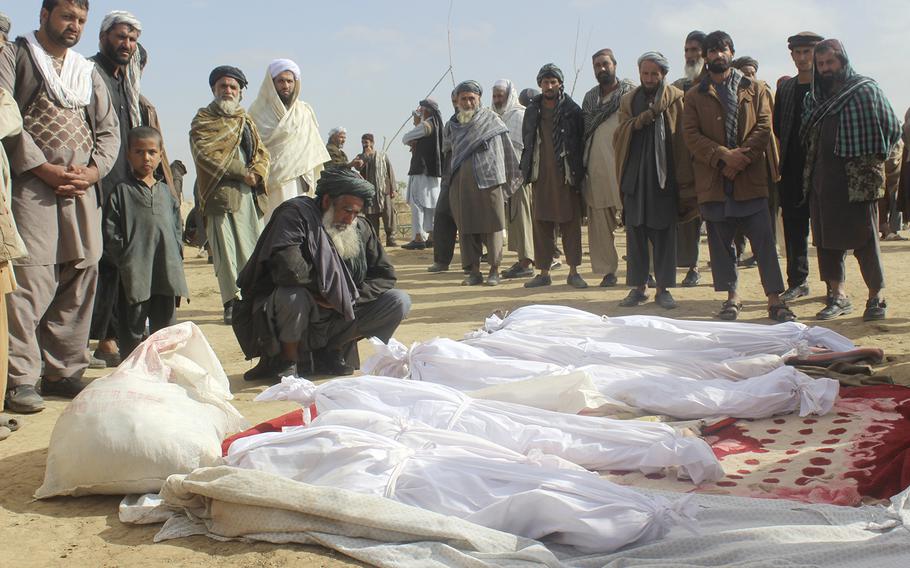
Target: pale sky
{"type": "Point", "coordinates": [365, 64]}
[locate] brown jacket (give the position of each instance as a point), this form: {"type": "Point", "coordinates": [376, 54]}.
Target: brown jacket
{"type": "Point", "coordinates": [670, 108]}
{"type": "Point", "coordinates": [703, 129]}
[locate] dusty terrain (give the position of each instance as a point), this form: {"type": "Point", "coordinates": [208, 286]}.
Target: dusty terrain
{"type": "Point", "coordinates": [86, 531]}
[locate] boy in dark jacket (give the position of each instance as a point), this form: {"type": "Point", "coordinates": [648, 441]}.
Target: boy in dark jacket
{"type": "Point", "coordinates": [142, 237]}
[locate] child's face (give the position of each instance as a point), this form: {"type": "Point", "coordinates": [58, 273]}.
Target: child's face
{"type": "Point", "coordinates": [144, 156]}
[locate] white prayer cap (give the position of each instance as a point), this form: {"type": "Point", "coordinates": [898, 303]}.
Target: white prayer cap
{"type": "Point", "coordinates": [281, 65]}
{"type": "Point", "coordinates": [337, 130]}
{"type": "Point", "coordinates": [120, 17]}
{"type": "Point", "coordinates": [501, 84]}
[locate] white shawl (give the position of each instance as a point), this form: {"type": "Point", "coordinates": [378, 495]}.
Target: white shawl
{"type": "Point", "coordinates": [72, 88]}
{"type": "Point", "coordinates": [291, 136]}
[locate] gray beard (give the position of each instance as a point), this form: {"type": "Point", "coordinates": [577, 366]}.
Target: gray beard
{"type": "Point", "coordinates": [228, 106]}
{"type": "Point", "coordinates": [465, 116]}
{"type": "Point", "coordinates": [346, 240]}
{"type": "Point", "coordinates": [693, 70]}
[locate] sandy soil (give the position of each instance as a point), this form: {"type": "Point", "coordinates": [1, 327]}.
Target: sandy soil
{"type": "Point", "coordinates": [86, 531]}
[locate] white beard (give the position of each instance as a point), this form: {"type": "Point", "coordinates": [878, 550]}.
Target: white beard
{"type": "Point", "coordinates": [346, 240]}
{"type": "Point", "coordinates": [693, 70]}
{"type": "Point", "coordinates": [228, 106]}
{"type": "Point", "coordinates": [465, 116]}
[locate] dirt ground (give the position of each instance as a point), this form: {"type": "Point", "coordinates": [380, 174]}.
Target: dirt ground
{"type": "Point", "coordinates": [86, 531]}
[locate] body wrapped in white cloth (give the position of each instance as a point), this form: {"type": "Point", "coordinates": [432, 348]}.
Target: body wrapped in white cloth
{"type": "Point", "coordinates": [592, 442]}
{"type": "Point", "coordinates": [473, 480]}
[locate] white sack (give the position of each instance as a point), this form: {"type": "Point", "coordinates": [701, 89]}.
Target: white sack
{"type": "Point", "coordinates": [492, 489]}
{"type": "Point", "coordinates": [163, 411]}
{"type": "Point", "coordinates": [592, 442]}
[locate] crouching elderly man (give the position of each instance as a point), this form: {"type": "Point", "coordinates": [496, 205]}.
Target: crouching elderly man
{"type": "Point", "coordinates": [317, 282]}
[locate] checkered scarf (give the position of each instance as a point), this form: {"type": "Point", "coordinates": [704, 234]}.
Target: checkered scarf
{"type": "Point", "coordinates": [731, 106]}
{"type": "Point", "coordinates": [867, 124]}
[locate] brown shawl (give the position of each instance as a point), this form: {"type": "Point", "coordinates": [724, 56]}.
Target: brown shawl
{"type": "Point", "coordinates": [214, 140]}
{"type": "Point", "coordinates": [670, 107]}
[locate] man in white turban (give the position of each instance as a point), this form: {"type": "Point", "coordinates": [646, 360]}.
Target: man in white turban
{"type": "Point", "coordinates": [288, 128]}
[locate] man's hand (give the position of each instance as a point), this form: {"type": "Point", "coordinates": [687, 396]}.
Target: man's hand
{"type": "Point", "coordinates": [251, 179]}
{"type": "Point", "coordinates": [357, 163]}
{"type": "Point", "coordinates": [729, 173]}
{"type": "Point", "coordinates": [52, 175]}
{"type": "Point", "coordinates": [79, 180]}
{"type": "Point", "coordinates": [737, 159]}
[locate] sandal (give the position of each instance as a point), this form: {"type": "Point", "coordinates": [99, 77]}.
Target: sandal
{"type": "Point", "coordinates": [781, 313]}
{"type": "Point", "coordinates": [729, 310]}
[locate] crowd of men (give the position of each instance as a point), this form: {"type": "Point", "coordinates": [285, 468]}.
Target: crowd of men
{"type": "Point", "coordinates": [713, 149]}
{"type": "Point", "coordinates": [91, 227]}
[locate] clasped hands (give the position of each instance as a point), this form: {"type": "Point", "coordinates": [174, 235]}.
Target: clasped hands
{"type": "Point", "coordinates": [735, 161]}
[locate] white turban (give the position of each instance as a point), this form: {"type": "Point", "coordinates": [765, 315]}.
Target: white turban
{"type": "Point", "coordinates": [658, 58]}
{"type": "Point", "coordinates": [279, 66]}
{"type": "Point", "coordinates": [133, 70]}
{"type": "Point", "coordinates": [337, 130]}
{"type": "Point", "coordinates": [120, 17]}
{"type": "Point", "coordinates": [501, 84]}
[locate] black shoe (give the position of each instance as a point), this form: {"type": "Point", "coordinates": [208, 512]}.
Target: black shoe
{"type": "Point", "coordinates": [835, 307]}
{"type": "Point", "coordinates": [665, 300]}
{"type": "Point", "coordinates": [331, 362]}
{"type": "Point", "coordinates": [271, 369]}
{"type": "Point", "coordinates": [876, 309]}
{"type": "Point", "coordinates": [473, 279]}
{"type": "Point", "coordinates": [635, 297]}
{"type": "Point", "coordinates": [538, 281]}
{"type": "Point", "coordinates": [229, 312]}
{"type": "Point", "coordinates": [692, 279]}
{"type": "Point", "coordinates": [414, 245]}
{"type": "Point", "coordinates": [391, 242]}
{"type": "Point", "coordinates": [438, 267]}
{"type": "Point", "coordinates": [24, 399]}
{"type": "Point", "coordinates": [518, 271]}
{"type": "Point", "coordinates": [576, 281]}
{"type": "Point", "coordinates": [428, 244]}
{"type": "Point", "coordinates": [750, 262]}
{"type": "Point", "coordinates": [68, 387]}
{"type": "Point", "coordinates": [485, 257]}
{"type": "Point", "coordinates": [492, 279]}
{"type": "Point", "coordinates": [794, 292]}
{"type": "Point", "coordinates": [110, 359]}
{"type": "Point", "coordinates": [609, 281]}
{"type": "Point", "coordinates": [651, 282]}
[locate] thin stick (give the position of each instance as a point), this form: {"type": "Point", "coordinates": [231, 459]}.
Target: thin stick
{"type": "Point", "coordinates": [575, 65]}
{"type": "Point", "coordinates": [405, 123]}
{"type": "Point", "coordinates": [449, 34]}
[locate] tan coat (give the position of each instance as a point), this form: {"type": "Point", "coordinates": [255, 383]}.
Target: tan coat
{"type": "Point", "coordinates": [11, 245]}
{"type": "Point", "coordinates": [703, 130]}
{"type": "Point", "coordinates": [670, 107]}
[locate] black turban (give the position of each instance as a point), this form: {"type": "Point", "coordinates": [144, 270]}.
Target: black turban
{"type": "Point", "coordinates": [339, 181]}
{"type": "Point", "coordinates": [227, 71]}
{"type": "Point", "coordinates": [430, 104]}
{"type": "Point", "coordinates": [744, 61]}
{"type": "Point", "coordinates": [696, 35]}
{"type": "Point", "coordinates": [368, 136]}
{"type": "Point", "coordinates": [550, 70]}
{"type": "Point", "coordinates": [526, 96]}
{"type": "Point", "coordinates": [469, 86]}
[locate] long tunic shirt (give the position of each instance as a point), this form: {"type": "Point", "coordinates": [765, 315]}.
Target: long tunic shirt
{"type": "Point", "coordinates": [57, 229]}
{"type": "Point", "coordinates": [644, 201]}
{"type": "Point", "coordinates": [142, 238]}
{"type": "Point", "coordinates": [120, 102]}
{"type": "Point", "coordinates": [837, 223]}
{"type": "Point", "coordinates": [554, 199]}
